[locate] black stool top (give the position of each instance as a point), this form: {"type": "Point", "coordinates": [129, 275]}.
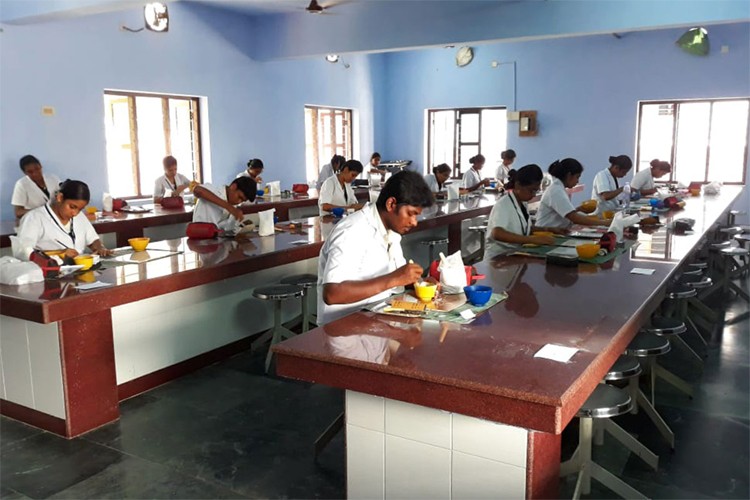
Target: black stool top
{"type": "Point", "coordinates": [734, 251]}
{"type": "Point", "coordinates": [696, 282]}
{"type": "Point", "coordinates": [278, 292]}
{"type": "Point", "coordinates": [742, 238]}
{"type": "Point", "coordinates": [719, 245]}
{"type": "Point", "coordinates": [647, 344]}
{"type": "Point", "coordinates": [697, 271]}
{"type": "Point", "coordinates": [737, 212]}
{"type": "Point", "coordinates": [303, 280]}
{"type": "Point", "coordinates": [666, 326]}
{"type": "Point", "coordinates": [605, 402]}
{"type": "Point", "coordinates": [681, 292]}
{"type": "Point", "coordinates": [731, 230]}
{"type": "Point", "coordinates": [625, 367]}
{"type": "Point", "coordinates": [698, 265]}
{"type": "Point", "coordinates": [434, 241]}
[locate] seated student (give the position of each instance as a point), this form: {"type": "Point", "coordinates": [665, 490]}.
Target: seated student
{"type": "Point", "coordinates": [508, 157]}
{"type": "Point", "coordinates": [375, 174]}
{"type": "Point", "coordinates": [218, 204]}
{"type": "Point", "coordinates": [171, 180]}
{"type": "Point", "coordinates": [329, 170]}
{"type": "Point", "coordinates": [437, 179]}
{"type": "Point", "coordinates": [337, 191]}
{"type": "Point", "coordinates": [472, 179]}
{"type": "Point", "coordinates": [253, 170]}
{"type": "Point", "coordinates": [607, 190]}
{"type": "Point", "coordinates": [509, 224]}
{"type": "Point", "coordinates": [362, 261]}
{"type": "Point", "coordinates": [555, 209]}
{"type": "Point", "coordinates": [643, 181]}
{"type": "Point", "coordinates": [34, 189]}
{"type": "Point", "coordinates": [60, 224]}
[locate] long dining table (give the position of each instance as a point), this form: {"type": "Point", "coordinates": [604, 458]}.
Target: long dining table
{"type": "Point", "coordinates": [446, 410]}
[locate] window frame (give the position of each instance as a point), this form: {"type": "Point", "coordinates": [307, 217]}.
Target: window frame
{"type": "Point", "coordinates": [348, 129]}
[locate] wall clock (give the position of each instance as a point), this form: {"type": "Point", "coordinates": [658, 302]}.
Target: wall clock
{"type": "Point", "coordinates": [464, 56]}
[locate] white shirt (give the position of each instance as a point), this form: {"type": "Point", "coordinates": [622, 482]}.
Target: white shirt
{"type": "Point", "coordinates": [359, 248]}
{"type": "Point", "coordinates": [325, 173]}
{"type": "Point", "coordinates": [162, 184]}
{"type": "Point", "coordinates": [506, 214]}
{"type": "Point", "coordinates": [603, 182]}
{"type": "Point", "coordinates": [502, 173]}
{"type": "Point", "coordinates": [643, 179]}
{"type": "Point", "coordinates": [331, 192]}
{"type": "Point", "coordinates": [432, 183]}
{"type": "Point", "coordinates": [205, 211]}
{"type": "Point", "coordinates": [42, 229]}
{"type": "Point", "coordinates": [470, 178]}
{"type": "Point", "coordinates": [554, 206]}
{"type": "Point", "coordinates": [28, 195]}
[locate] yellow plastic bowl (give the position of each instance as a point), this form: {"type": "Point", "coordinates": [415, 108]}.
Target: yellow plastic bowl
{"type": "Point", "coordinates": [588, 250]}
{"type": "Point", "coordinates": [84, 260]}
{"type": "Point", "coordinates": [139, 244]}
{"type": "Point", "coordinates": [608, 214]}
{"type": "Point", "coordinates": [91, 210]}
{"type": "Point", "coordinates": [54, 253]}
{"type": "Point", "coordinates": [695, 192]}
{"type": "Point", "coordinates": [543, 233]}
{"type": "Point", "coordinates": [425, 291]}
{"type": "Point", "coordinates": [588, 206]}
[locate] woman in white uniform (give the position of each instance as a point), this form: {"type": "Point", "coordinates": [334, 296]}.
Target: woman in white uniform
{"type": "Point", "coordinates": [509, 223]}
{"type": "Point", "coordinates": [437, 179]}
{"type": "Point", "coordinates": [472, 179]}
{"type": "Point", "coordinates": [607, 190]}
{"type": "Point", "coordinates": [59, 225]}
{"type": "Point", "coordinates": [337, 192]}
{"type": "Point", "coordinates": [643, 181]}
{"type": "Point", "coordinates": [329, 170]}
{"type": "Point", "coordinates": [254, 169]}
{"type": "Point", "coordinates": [375, 174]}
{"type": "Point", "coordinates": [218, 204]}
{"type": "Point", "coordinates": [555, 209]}
{"type": "Point", "coordinates": [171, 180]}
{"type": "Point", "coordinates": [34, 189]}
{"type": "Point", "coordinates": [508, 157]}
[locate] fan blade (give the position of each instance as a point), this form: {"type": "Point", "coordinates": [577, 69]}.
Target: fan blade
{"type": "Point", "coordinates": [335, 3]}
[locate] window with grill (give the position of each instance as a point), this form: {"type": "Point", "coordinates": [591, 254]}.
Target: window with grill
{"type": "Point", "coordinates": [328, 131]}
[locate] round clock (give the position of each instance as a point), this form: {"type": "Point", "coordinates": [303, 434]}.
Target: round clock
{"type": "Point", "coordinates": [464, 56]}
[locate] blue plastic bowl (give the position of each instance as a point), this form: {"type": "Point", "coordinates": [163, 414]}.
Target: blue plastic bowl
{"type": "Point", "coordinates": [478, 295]}
{"type": "Point", "coordinates": [260, 193]}
{"type": "Point", "coordinates": [338, 211]}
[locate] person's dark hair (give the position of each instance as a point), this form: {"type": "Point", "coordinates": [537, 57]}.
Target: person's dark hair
{"type": "Point", "coordinates": [527, 175]}
{"type": "Point", "coordinates": [168, 161]}
{"type": "Point", "coordinates": [622, 162]}
{"type": "Point", "coordinates": [508, 154]}
{"type": "Point", "coordinates": [248, 186]}
{"type": "Point", "coordinates": [476, 159]}
{"type": "Point", "coordinates": [408, 188]}
{"type": "Point", "coordinates": [337, 160]}
{"type": "Point", "coordinates": [664, 165]}
{"type": "Point", "coordinates": [442, 168]}
{"type": "Point", "coordinates": [27, 160]}
{"type": "Point", "coordinates": [255, 163]}
{"type": "Point", "coordinates": [561, 168]}
{"type": "Point", "coordinates": [374, 155]}
{"type": "Point", "coordinates": [353, 166]}
{"type": "Point", "coordinates": [74, 190]}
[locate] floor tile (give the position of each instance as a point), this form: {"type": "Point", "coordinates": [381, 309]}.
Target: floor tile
{"type": "Point", "coordinates": [12, 431]}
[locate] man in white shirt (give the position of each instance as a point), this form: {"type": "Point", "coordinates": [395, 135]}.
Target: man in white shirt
{"type": "Point", "coordinates": [329, 170]}
{"type": "Point", "coordinates": [34, 189]}
{"type": "Point", "coordinates": [218, 204]}
{"type": "Point", "coordinates": [362, 261]}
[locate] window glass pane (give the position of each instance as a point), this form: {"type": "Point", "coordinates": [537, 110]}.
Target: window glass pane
{"type": "Point", "coordinates": [181, 136]}
{"type": "Point", "coordinates": [493, 138]}
{"type": "Point", "coordinates": [469, 127]}
{"type": "Point", "coordinates": [465, 153]}
{"type": "Point", "coordinates": [442, 138]}
{"type": "Point", "coordinates": [151, 142]}
{"type": "Point", "coordinates": [728, 141]}
{"type": "Point", "coordinates": [119, 146]}
{"type": "Point", "coordinates": [655, 138]}
{"type": "Point", "coordinates": [692, 142]}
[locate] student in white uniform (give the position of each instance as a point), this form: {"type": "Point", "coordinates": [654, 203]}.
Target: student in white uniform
{"type": "Point", "coordinates": [171, 181]}
{"type": "Point", "coordinates": [337, 192]}
{"type": "Point", "coordinates": [362, 261]}
{"type": "Point", "coordinates": [34, 189]}
{"type": "Point", "coordinates": [607, 190]}
{"type": "Point", "coordinates": [643, 181]}
{"type": "Point", "coordinates": [555, 209]}
{"type": "Point", "coordinates": [375, 174]}
{"type": "Point", "coordinates": [508, 157]}
{"type": "Point", "coordinates": [509, 223]}
{"type": "Point", "coordinates": [472, 178]}
{"type": "Point", "coordinates": [329, 170]}
{"type": "Point", "coordinates": [218, 204]}
{"type": "Point", "coordinates": [60, 224]}
{"type": "Point", "coordinates": [254, 169]}
{"type": "Point", "coordinates": [437, 179]}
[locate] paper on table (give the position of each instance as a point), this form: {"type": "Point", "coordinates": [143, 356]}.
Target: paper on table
{"type": "Point", "coordinates": [92, 286]}
{"type": "Point", "coordinates": [643, 271]}
{"type": "Point", "coordinates": [556, 353]}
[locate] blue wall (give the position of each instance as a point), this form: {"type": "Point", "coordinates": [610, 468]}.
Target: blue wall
{"type": "Point", "coordinates": [586, 89]}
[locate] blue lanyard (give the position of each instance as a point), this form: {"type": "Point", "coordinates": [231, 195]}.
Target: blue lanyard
{"type": "Point", "coordinates": [70, 233]}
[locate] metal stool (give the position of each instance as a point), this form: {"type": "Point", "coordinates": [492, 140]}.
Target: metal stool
{"type": "Point", "coordinates": [605, 402]}
{"type": "Point", "coordinates": [714, 258]}
{"type": "Point", "coordinates": [671, 328]}
{"type": "Point", "coordinates": [727, 233]}
{"type": "Point", "coordinates": [676, 309]}
{"type": "Point", "coordinates": [732, 270]}
{"type": "Point", "coordinates": [482, 231]}
{"type": "Point", "coordinates": [732, 215]}
{"type": "Point", "coordinates": [648, 347]}
{"type": "Point", "coordinates": [432, 243]}
{"type": "Point", "coordinates": [697, 311]}
{"type": "Point", "coordinates": [278, 332]}
{"type": "Point", "coordinates": [307, 282]}
{"type": "Point", "coordinates": [625, 368]}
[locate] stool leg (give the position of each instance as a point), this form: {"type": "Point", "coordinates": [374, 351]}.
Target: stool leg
{"type": "Point", "coordinates": [673, 379]}
{"type": "Point", "coordinates": [659, 422]}
{"type": "Point", "coordinates": [633, 391]}
{"type": "Point", "coordinates": [584, 443]}
{"type": "Point", "coordinates": [276, 331]}
{"type": "Point", "coordinates": [305, 313]}
{"type": "Point", "coordinates": [328, 434]}
{"type": "Point", "coordinates": [681, 342]}
{"type": "Point", "coordinates": [631, 443]}
{"type": "Point", "coordinates": [614, 483]}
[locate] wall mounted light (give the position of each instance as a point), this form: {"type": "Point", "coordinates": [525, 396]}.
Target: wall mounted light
{"type": "Point", "coordinates": [156, 18]}
{"type": "Point", "coordinates": [332, 58]}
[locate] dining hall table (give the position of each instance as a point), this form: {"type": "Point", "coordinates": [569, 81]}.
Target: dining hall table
{"type": "Point", "coordinates": [438, 409]}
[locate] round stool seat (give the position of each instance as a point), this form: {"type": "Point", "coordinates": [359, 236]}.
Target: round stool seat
{"type": "Point", "coordinates": [278, 292]}
{"type": "Point", "coordinates": [480, 229]}
{"type": "Point", "coordinates": [434, 241]}
{"type": "Point", "coordinates": [735, 251]}
{"type": "Point", "coordinates": [698, 265]}
{"type": "Point", "coordinates": [647, 344]}
{"type": "Point", "coordinates": [666, 326]}
{"type": "Point", "coordinates": [625, 367]}
{"type": "Point", "coordinates": [605, 402]}
{"type": "Point", "coordinates": [719, 245]}
{"type": "Point", "coordinates": [731, 230]}
{"type": "Point", "coordinates": [693, 272]}
{"type": "Point", "coordinates": [681, 292]}
{"type": "Point", "coordinates": [303, 280]}
{"type": "Point", "coordinates": [696, 282]}
{"type": "Point", "coordinates": [742, 238]}
{"type": "Point", "coordinates": [737, 212]}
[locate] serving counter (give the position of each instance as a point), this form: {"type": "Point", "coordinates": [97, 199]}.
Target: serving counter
{"type": "Point", "coordinates": [441, 410]}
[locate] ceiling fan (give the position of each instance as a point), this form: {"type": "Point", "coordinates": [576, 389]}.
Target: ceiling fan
{"type": "Point", "coordinates": [316, 8]}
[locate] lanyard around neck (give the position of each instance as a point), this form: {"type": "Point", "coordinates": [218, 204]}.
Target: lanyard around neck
{"type": "Point", "coordinates": [71, 233]}
{"type": "Point", "coordinates": [523, 220]}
